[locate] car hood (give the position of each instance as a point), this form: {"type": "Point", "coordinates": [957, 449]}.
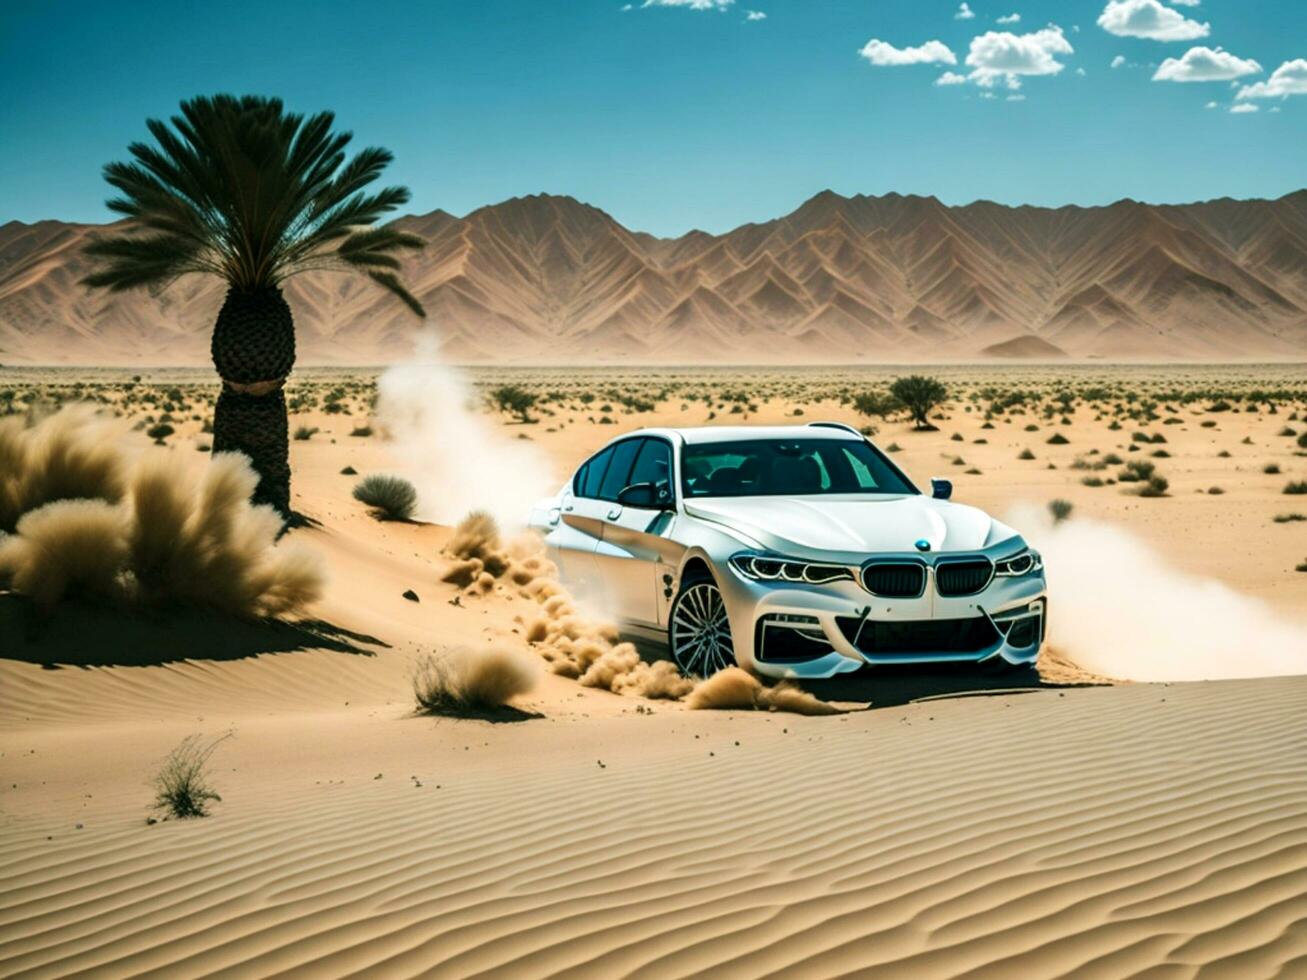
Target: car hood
{"type": "Point", "coordinates": [852, 527]}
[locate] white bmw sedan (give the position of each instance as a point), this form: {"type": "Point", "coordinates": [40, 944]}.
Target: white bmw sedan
{"type": "Point", "coordinates": [793, 551]}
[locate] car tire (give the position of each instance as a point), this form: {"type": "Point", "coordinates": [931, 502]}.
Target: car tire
{"type": "Point", "coordinates": [698, 630]}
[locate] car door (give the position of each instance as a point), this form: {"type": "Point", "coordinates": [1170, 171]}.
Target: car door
{"type": "Point", "coordinates": [636, 550]}
{"type": "Point", "coordinates": [581, 525]}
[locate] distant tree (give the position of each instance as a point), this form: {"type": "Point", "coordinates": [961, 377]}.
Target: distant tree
{"type": "Point", "coordinates": [515, 399]}
{"type": "Point", "coordinates": [919, 395]}
{"type": "Point", "coordinates": [874, 403]}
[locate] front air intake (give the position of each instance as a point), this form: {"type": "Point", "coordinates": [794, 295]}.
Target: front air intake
{"type": "Point", "coordinates": [895, 580]}
{"type": "Point", "coordinates": [955, 578]}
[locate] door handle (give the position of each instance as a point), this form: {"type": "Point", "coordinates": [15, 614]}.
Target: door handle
{"type": "Point", "coordinates": [568, 508]}
{"type": "Point", "coordinates": [615, 513]}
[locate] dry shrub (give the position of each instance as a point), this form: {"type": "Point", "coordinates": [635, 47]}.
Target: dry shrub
{"type": "Point", "coordinates": [177, 535]}
{"type": "Point", "coordinates": [67, 546]}
{"type": "Point", "coordinates": [70, 455]}
{"type": "Point", "coordinates": [736, 689]}
{"type": "Point", "coordinates": [182, 785]}
{"type": "Point", "coordinates": [464, 681]}
{"type": "Point", "coordinates": [202, 542]}
{"type": "Point", "coordinates": [392, 498]}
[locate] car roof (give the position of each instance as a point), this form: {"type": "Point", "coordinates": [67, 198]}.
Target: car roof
{"type": "Point", "coordinates": [731, 433]}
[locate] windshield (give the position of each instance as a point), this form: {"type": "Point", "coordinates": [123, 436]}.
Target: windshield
{"type": "Point", "coordinates": [776, 467]}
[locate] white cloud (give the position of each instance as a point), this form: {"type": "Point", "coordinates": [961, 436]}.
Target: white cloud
{"type": "Point", "coordinates": [754, 15]}
{"type": "Point", "coordinates": [1244, 107]}
{"type": "Point", "coordinates": [1118, 61]}
{"type": "Point", "coordinates": [1274, 108]}
{"type": "Point", "coordinates": [1289, 79]}
{"type": "Point", "coordinates": [1185, 3]}
{"type": "Point", "coordinates": [690, 4]}
{"type": "Point", "coordinates": [1080, 72]}
{"type": "Point", "coordinates": [964, 12]}
{"type": "Point", "coordinates": [1210, 105]}
{"type": "Point", "coordinates": [1000, 57]}
{"type": "Point", "coordinates": [883, 54]}
{"type": "Point", "coordinates": [1148, 18]}
{"type": "Point", "coordinates": [1012, 18]}
{"type": "Point", "coordinates": [951, 78]}
{"type": "Point", "coordinates": [1202, 64]}
{"type": "Point", "coordinates": [1016, 98]}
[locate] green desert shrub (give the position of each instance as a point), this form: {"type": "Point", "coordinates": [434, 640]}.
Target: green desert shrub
{"type": "Point", "coordinates": [875, 403]}
{"type": "Point", "coordinates": [518, 401]}
{"type": "Point", "coordinates": [1060, 510]}
{"type": "Point", "coordinates": [1155, 487]}
{"type": "Point", "coordinates": [919, 395]}
{"type": "Point", "coordinates": [305, 432]}
{"type": "Point", "coordinates": [392, 497]}
{"type": "Point", "coordinates": [1296, 487]}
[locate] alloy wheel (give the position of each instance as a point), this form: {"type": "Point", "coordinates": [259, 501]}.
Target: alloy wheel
{"type": "Point", "coordinates": [700, 631]}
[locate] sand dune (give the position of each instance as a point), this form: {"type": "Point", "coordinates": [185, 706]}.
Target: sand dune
{"type": "Point", "coordinates": [964, 825]}
{"type": "Point", "coordinates": [857, 279]}
{"type": "Point", "coordinates": [1099, 830]}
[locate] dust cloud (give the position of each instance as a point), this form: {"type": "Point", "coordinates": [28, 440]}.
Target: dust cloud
{"type": "Point", "coordinates": [458, 459]}
{"type": "Point", "coordinates": [1118, 608]}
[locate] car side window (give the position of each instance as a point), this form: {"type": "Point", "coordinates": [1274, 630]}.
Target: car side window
{"type": "Point", "coordinates": [591, 476]}
{"type": "Point", "coordinates": [654, 465]}
{"type": "Point", "coordinates": [619, 468]}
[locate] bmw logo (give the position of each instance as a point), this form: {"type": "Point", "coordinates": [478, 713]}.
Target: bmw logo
{"type": "Point", "coordinates": [923, 544]}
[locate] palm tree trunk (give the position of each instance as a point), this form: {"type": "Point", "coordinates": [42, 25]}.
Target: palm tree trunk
{"type": "Point", "coordinates": [254, 351]}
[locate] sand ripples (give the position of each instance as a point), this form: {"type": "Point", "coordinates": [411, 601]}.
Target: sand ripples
{"type": "Point", "coordinates": [1104, 832]}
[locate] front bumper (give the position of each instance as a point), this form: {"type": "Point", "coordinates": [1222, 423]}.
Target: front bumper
{"type": "Point", "coordinates": [805, 631]}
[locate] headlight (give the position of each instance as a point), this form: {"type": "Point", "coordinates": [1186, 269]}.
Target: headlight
{"type": "Point", "coordinates": [1022, 563]}
{"type": "Point", "coordinates": [771, 568]}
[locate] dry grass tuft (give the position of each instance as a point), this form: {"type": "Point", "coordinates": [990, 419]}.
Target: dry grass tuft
{"type": "Point", "coordinates": [70, 546]}
{"type": "Point", "coordinates": [467, 682]}
{"type": "Point", "coordinates": [182, 785]}
{"type": "Point", "coordinates": [70, 455]}
{"type": "Point", "coordinates": [161, 533]}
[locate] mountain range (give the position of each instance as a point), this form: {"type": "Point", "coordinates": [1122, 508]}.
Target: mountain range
{"type": "Point", "coordinates": [548, 279]}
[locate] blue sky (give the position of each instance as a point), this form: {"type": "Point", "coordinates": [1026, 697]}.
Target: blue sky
{"type": "Point", "coordinates": [671, 117]}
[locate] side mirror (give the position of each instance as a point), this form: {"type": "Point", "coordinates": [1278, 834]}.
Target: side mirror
{"type": "Point", "coordinates": [940, 488]}
{"type": "Point", "coordinates": [642, 495]}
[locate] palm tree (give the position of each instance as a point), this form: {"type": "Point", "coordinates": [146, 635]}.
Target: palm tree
{"type": "Point", "coordinates": [240, 189]}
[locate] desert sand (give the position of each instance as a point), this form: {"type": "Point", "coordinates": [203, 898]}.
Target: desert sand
{"type": "Point", "coordinates": [945, 824]}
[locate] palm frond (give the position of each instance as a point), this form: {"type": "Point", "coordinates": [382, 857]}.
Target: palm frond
{"type": "Point", "coordinates": [240, 188]}
{"type": "Point", "coordinates": [389, 281]}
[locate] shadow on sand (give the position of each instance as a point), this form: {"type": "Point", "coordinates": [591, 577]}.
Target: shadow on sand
{"type": "Point", "coordinates": [501, 715]}
{"type": "Point", "coordinates": [887, 687]}
{"type": "Point", "coordinates": [86, 634]}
